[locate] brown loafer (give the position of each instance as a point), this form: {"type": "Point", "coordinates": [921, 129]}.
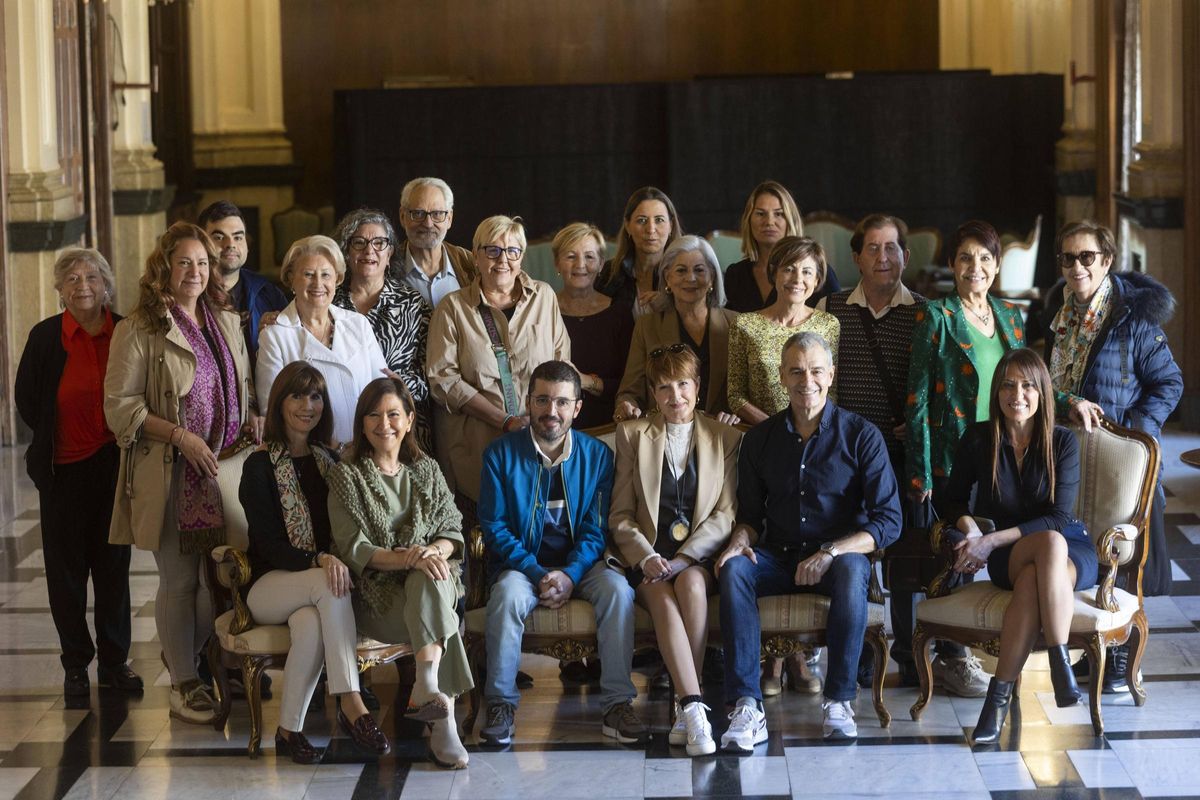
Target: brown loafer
{"type": "Point", "coordinates": [297, 746]}
{"type": "Point", "coordinates": [365, 733]}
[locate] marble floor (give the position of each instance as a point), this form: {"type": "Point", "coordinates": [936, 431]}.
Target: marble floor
{"type": "Point", "coordinates": [116, 746]}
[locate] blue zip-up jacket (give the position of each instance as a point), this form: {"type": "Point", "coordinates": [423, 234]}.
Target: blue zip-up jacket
{"type": "Point", "coordinates": [512, 503]}
{"type": "Point", "coordinates": [261, 296]}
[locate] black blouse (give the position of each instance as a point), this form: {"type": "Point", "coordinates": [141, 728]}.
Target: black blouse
{"type": "Point", "coordinates": [1021, 497]}
{"type": "Point", "coordinates": [741, 290]}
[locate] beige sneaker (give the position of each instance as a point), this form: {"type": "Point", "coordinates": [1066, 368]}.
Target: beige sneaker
{"type": "Point", "coordinates": [963, 676]}
{"type": "Point", "coordinates": [191, 702]}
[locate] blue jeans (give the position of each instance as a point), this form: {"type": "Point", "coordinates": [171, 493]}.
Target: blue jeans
{"type": "Point", "coordinates": [514, 597]}
{"type": "Point", "coordinates": [743, 582]}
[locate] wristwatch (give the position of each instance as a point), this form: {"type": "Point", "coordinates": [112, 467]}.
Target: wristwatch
{"type": "Point", "coordinates": [830, 549]}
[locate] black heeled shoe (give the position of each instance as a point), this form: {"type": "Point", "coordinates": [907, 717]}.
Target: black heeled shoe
{"type": "Point", "coordinates": [994, 712]}
{"type": "Point", "coordinates": [295, 744]}
{"type": "Point", "coordinates": [1066, 690]}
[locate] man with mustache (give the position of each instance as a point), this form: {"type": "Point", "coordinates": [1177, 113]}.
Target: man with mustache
{"type": "Point", "coordinates": [543, 508]}
{"type": "Point", "coordinates": [428, 263]}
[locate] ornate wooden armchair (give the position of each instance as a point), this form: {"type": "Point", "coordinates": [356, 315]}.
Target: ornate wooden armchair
{"type": "Point", "coordinates": [1119, 470]}
{"type": "Point", "coordinates": [239, 643]}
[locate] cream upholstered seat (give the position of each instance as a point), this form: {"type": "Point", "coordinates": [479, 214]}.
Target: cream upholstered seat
{"type": "Point", "coordinates": [239, 643]}
{"type": "Point", "coordinates": [1119, 469]}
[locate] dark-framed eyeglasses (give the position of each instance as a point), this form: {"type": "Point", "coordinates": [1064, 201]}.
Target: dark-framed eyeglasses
{"type": "Point", "coordinates": [678, 347]}
{"type": "Point", "coordinates": [494, 252]}
{"type": "Point", "coordinates": [378, 244]}
{"type": "Point", "coordinates": [1084, 257]}
{"type": "Point", "coordinates": [419, 214]}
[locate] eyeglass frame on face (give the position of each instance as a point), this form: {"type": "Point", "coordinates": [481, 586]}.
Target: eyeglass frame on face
{"type": "Point", "coordinates": [438, 215]}
{"type": "Point", "coordinates": [544, 400]}
{"type": "Point", "coordinates": [1066, 260]}
{"type": "Point", "coordinates": [494, 251]}
{"type": "Point", "coordinates": [359, 243]}
{"type": "Point", "coordinates": [678, 347]}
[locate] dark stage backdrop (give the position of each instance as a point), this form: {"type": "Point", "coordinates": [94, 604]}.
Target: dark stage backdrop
{"type": "Point", "coordinates": [935, 148]}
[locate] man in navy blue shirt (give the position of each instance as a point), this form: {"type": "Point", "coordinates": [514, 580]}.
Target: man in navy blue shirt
{"type": "Point", "coordinates": [543, 509]}
{"type": "Point", "coordinates": [816, 494]}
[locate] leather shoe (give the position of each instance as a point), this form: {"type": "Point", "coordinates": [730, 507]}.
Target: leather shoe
{"type": "Point", "coordinates": [365, 733]}
{"type": "Point", "coordinates": [1066, 690]}
{"type": "Point", "coordinates": [294, 744]}
{"type": "Point", "coordinates": [994, 712]}
{"type": "Point", "coordinates": [76, 683]}
{"type": "Point", "coordinates": [121, 677]}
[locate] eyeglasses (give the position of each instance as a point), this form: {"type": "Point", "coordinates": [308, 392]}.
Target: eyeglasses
{"type": "Point", "coordinates": [378, 244]}
{"type": "Point", "coordinates": [419, 214]}
{"type": "Point", "coordinates": [678, 347]}
{"type": "Point", "coordinates": [494, 252]}
{"type": "Point", "coordinates": [543, 401]}
{"type": "Point", "coordinates": [1085, 257]}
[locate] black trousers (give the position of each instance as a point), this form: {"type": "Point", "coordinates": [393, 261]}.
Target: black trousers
{"type": "Point", "coordinates": [76, 512]}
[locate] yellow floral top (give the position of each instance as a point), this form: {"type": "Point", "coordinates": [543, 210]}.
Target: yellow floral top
{"type": "Point", "coordinates": [755, 344]}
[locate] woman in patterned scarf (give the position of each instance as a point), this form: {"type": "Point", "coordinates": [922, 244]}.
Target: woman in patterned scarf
{"type": "Point", "coordinates": [178, 391]}
{"type": "Point", "coordinates": [294, 578]}
{"type": "Point", "coordinates": [395, 524]}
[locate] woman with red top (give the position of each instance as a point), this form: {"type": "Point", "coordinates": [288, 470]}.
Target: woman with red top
{"type": "Point", "coordinates": [73, 462]}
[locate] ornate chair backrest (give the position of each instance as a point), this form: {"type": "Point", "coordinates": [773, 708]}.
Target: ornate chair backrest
{"type": "Point", "coordinates": [1118, 473]}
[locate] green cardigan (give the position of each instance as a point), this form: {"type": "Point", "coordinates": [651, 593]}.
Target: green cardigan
{"type": "Point", "coordinates": [943, 384]}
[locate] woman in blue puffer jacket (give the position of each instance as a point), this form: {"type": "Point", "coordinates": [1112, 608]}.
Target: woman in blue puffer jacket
{"type": "Point", "coordinates": [1108, 355]}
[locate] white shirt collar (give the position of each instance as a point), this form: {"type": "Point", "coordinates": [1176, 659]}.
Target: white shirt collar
{"type": "Point", "coordinates": [563, 456]}
{"type": "Point", "coordinates": [901, 297]}
{"type": "Point", "coordinates": [410, 264]}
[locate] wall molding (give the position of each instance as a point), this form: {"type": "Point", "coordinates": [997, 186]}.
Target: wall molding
{"type": "Point", "coordinates": [45, 236]}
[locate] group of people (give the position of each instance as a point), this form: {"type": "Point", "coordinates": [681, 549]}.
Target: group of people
{"type": "Point", "coordinates": [412, 390]}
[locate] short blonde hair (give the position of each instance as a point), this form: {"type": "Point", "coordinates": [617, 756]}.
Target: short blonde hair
{"type": "Point", "coordinates": [72, 256]}
{"type": "Point", "coordinates": [313, 246]}
{"type": "Point", "coordinates": [577, 232]}
{"type": "Point", "coordinates": [498, 227]}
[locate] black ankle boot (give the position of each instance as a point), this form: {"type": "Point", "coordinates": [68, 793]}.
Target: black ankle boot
{"type": "Point", "coordinates": [994, 712]}
{"type": "Point", "coordinates": [1066, 690]}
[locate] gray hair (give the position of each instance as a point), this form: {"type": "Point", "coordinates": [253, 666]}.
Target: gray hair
{"type": "Point", "coordinates": [312, 246]}
{"type": "Point", "coordinates": [73, 255]}
{"type": "Point", "coordinates": [690, 244]}
{"type": "Point", "coordinates": [807, 340]}
{"type": "Point", "coordinates": [416, 183]}
{"type": "Point", "coordinates": [349, 225]}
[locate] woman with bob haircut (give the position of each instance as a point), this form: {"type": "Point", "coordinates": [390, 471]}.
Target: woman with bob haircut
{"type": "Point", "coordinates": [673, 508]}
{"type": "Point", "coordinates": [294, 578]}
{"type": "Point", "coordinates": [1025, 473]}
{"type": "Point", "coordinates": [339, 342]}
{"type": "Point", "coordinates": [688, 309]}
{"type": "Point", "coordinates": [770, 214]}
{"type": "Point", "coordinates": [178, 384]}
{"type": "Point", "coordinates": [484, 342]}
{"type": "Point", "coordinates": [649, 225]}
{"type": "Point", "coordinates": [797, 270]}
{"type": "Point", "coordinates": [395, 525]}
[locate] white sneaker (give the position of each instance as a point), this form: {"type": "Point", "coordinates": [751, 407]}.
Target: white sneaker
{"type": "Point", "coordinates": [678, 734]}
{"type": "Point", "coordinates": [839, 720]}
{"type": "Point", "coordinates": [747, 727]}
{"type": "Point", "coordinates": [192, 703]}
{"type": "Point", "coordinates": [963, 676]}
{"type": "Point", "coordinates": [699, 730]}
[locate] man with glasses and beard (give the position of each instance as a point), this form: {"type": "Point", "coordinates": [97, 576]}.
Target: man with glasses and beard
{"type": "Point", "coordinates": [543, 508]}
{"type": "Point", "coordinates": [428, 263]}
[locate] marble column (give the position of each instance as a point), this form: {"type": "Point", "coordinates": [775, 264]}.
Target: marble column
{"type": "Point", "coordinates": [241, 148]}
{"type": "Point", "coordinates": [1075, 153]}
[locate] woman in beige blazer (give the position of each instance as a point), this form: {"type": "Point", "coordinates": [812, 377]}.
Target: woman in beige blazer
{"type": "Point", "coordinates": [465, 374]}
{"type": "Point", "coordinates": [688, 309]}
{"type": "Point", "coordinates": [178, 391]}
{"type": "Point", "coordinates": [673, 508]}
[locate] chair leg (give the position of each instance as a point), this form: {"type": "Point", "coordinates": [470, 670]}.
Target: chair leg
{"type": "Point", "coordinates": [920, 651]}
{"type": "Point", "coordinates": [1137, 646]}
{"type": "Point", "coordinates": [1097, 652]}
{"type": "Point", "coordinates": [878, 641]}
{"type": "Point", "coordinates": [476, 661]}
{"type": "Point", "coordinates": [220, 684]}
{"type": "Point", "coordinates": [252, 670]}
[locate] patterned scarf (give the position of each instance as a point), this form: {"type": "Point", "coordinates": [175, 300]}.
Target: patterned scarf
{"type": "Point", "coordinates": [210, 410]}
{"type": "Point", "coordinates": [358, 485]}
{"type": "Point", "coordinates": [297, 519]}
{"type": "Point", "coordinates": [1074, 332]}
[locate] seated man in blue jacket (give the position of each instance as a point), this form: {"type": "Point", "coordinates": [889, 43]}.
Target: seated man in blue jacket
{"type": "Point", "coordinates": [816, 494]}
{"type": "Point", "coordinates": [543, 509]}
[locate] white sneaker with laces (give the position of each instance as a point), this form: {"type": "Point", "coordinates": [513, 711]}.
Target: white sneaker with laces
{"type": "Point", "coordinates": [963, 676]}
{"type": "Point", "coordinates": [678, 734]}
{"type": "Point", "coordinates": [839, 720]}
{"type": "Point", "coordinates": [699, 730]}
{"type": "Point", "coordinates": [747, 727]}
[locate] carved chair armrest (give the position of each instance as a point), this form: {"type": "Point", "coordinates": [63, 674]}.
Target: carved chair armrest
{"type": "Point", "coordinates": [476, 559]}
{"type": "Point", "coordinates": [1108, 549]}
{"type": "Point", "coordinates": [874, 589]}
{"type": "Point", "coordinates": [239, 576]}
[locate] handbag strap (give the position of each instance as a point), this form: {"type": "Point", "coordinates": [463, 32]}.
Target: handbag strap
{"type": "Point", "coordinates": [871, 329]}
{"type": "Point", "coordinates": [511, 404]}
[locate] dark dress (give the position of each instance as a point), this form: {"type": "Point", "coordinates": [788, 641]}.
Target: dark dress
{"type": "Point", "coordinates": [1021, 497]}
{"type": "Point", "coordinates": [741, 291]}
{"type": "Point", "coordinates": [600, 345]}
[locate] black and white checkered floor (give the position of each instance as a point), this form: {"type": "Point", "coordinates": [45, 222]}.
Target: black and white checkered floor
{"type": "Point", "coordinates": [115, 746]}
